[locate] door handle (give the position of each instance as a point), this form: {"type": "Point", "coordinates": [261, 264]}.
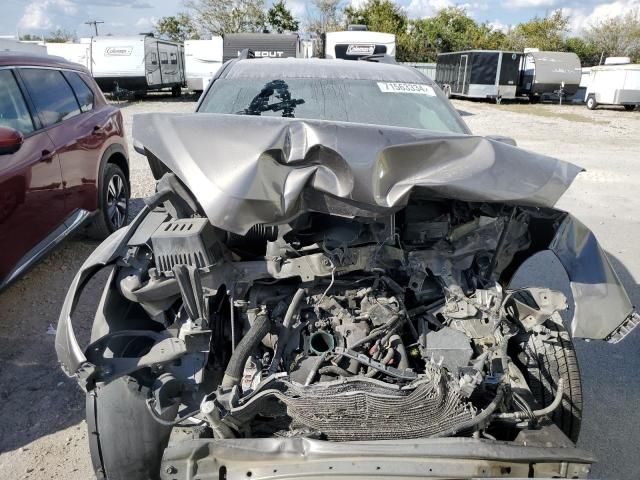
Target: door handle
{"type": "Point", "coordinates": [46, 156]}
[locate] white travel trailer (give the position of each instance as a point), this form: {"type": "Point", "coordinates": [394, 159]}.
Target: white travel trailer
{"type": "Point", "coordinates": [202, 59]}
{"type": "Point", "coordinates": [614, 85]}
{"type": "Point", "coordinates": [354, 44]}
{"type": "Point", "coordinates": [137, 63]}
{"type": "Point", "coordinates": [11, 45]}
{"type": "Point", "coordinates": [74, 52]}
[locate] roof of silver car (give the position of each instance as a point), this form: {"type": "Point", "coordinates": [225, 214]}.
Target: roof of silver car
{"type": "Point", "coordinates": [268, 68]}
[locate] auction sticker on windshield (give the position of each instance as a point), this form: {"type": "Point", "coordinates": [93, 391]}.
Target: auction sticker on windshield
{"type": "Point", "coordinates": [395, 87]}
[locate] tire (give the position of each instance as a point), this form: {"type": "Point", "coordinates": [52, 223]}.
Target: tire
{"type": "Point", "coordinates": [125, 441]}
{"type": "Point", "coordinates": [591, 103]}
{"type": "Point", "coordinates": [544, 361]}
{"type": "Point", "coordinates": [629, 108]}
{"type": "Point", "coordinates": [176, 91]}
{"type": "Point", "coordinates": [113, 203]}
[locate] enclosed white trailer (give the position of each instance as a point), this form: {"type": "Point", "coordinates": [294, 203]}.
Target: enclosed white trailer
{"type": "Point", "coordinates": [354, 44]}
{"type": "Point", "coordinates": [137, 63]}
{"type": "Point", "coordinates": [74, 52]}
{"type": "Point", "coordinates": [202, 59]}
{"type": "Point", "coordinates": [614, 85]}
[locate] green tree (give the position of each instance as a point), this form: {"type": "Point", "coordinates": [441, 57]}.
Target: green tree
{"type": "Point", "coordinates": [450, 30]}
{"type": "Point", "coordinates": [324, 16]}
{"type": "Point", "coordinates": [379, 16]}
{"type": "Point", "coordinates": [178, 28]}
{"type": "Point", "coordinates": [545, 33]}
{"type": "Point", "coordinates": [588, 52]}
{"type": "Point", "coordinates": [219, 17]}
{"type": "Point", "coordinates": [27, 37]}
{"type": "Point", "coordinates": [280, 19]}
{"type": "Point", "coordinates": [617, 36]}
{"type": "Point", "coordinates": [60, 36]}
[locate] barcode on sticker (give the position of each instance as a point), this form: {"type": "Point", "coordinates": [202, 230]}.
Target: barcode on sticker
{"type": "Point", "coordinates": [395, 87]}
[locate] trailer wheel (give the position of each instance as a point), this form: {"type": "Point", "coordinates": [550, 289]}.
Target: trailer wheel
{"type": "Point", "coordinates": [629, 108]}
{"type": "Point", "coordinates": [591, 103]}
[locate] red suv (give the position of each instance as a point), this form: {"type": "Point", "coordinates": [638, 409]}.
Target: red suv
{"type": "Point", "coordinates": [63, 159]}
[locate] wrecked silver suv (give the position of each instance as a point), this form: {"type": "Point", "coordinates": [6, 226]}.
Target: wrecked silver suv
{"type": "Point", "coordinates": [329, 299]}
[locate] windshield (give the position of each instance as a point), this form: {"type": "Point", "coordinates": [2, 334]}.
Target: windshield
{"type": "Point", "coordinates": [411, 105]}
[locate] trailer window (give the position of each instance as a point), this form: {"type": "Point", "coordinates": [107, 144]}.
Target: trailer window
{"type": "Point", "coordinates": [154, 58]}
{"type": "Point", "coordinates": [164, 59]}
{"type": "Point", "coordinates": [51, 94]}
{"type": "Point", "coordinates": [174, 59]}
{"type": "Point", "coordinates": [357, 101]}
{"type": "Point", "coordinates": [82, 91]}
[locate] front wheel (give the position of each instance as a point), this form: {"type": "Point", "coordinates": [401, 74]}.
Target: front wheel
{"type": "Point", "coordinates": [546, 358]}
{"type": "Point", "coordinates": [125, 441]}
{"type": "Point", "coordinates": [629, 108]}
{"type": "Point", "coordinates": [113, 198]}
{"type": "Point", "coordinates": [591, 103]}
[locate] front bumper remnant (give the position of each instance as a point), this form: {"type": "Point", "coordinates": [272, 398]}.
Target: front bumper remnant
{"type": "Point", "coordinates": [453, 458]}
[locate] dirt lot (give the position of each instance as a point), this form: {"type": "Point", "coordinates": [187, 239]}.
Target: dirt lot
{"type": "Point", "coordinates": [42, 431]}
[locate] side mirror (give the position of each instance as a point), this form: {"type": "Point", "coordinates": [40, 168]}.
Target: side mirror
{"type": "Point", "coordinates": [503, 139]}
{"type": "Point", "coordinates": [10, 140]}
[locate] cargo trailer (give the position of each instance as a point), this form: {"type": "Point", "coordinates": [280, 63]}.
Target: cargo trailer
{"type": "Point", "coordinates": [614, 85]}
{"type": "Point", "coordinates": [488, 74]}
{"type": "Point", "coordinates": [137, 63]}
{"type": "Point", "coordinates": [355, 44]}
{"type": "Point", "coordinates": [268, 45]}
{"type": "Point", "coordinates": [545, 74]}
{"type": "Point", "coordinates": [202, 59]}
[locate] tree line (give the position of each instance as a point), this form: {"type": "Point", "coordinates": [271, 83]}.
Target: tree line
{"type": "Point", "coordinates": [417, 40]}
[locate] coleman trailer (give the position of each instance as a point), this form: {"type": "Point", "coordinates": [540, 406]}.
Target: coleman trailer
{"type": "Point", "coordinates": [354, 44]}
{"type": "Point", "coordinates": [489, 74]}
{"type": "Point", "coordinates": [202, 59]}
{"type": "Point", "coordinates": [269, 45]}
{"type": "Point", "coordinates": [547, 73]}
{"type": "Point", "coordinates": [614, 85]}
{"type": "Point", "coordinates": [137, 63]}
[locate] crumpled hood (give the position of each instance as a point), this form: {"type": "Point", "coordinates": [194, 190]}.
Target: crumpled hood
{"type": "Point", "coordinates": [246, 170]}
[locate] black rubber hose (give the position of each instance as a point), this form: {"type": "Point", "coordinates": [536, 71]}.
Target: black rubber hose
{"type": "Point", "coordinates": [249, 342]}
{"type": "Point", "coordinates": [283, 337]}
{"type": "Point", "coordinates": [477, 420]}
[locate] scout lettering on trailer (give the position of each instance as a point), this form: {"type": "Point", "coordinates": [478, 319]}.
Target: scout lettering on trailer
{"type": "Point", "coordinates": [395, 87]}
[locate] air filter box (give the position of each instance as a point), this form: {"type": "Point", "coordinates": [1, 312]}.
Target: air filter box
{"type": "Point", "coordinates": [185, 241]}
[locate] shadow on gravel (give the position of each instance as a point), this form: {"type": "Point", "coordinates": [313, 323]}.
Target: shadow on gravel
{"type": "Point", "coordinates": [36, 397]}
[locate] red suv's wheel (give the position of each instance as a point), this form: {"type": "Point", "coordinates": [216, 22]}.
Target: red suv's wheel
{"type": "Point", "coordinates": [114, 203]}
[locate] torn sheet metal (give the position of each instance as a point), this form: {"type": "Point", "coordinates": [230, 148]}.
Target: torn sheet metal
{"type": "Point", "coordinates": [247, 170]}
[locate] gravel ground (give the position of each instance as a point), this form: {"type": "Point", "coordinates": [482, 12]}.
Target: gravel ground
{"type": "Point", "coordinates": [42, 429]}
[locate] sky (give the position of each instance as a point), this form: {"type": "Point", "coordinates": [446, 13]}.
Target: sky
{"type": "Point", "coordinates": [134, 16]}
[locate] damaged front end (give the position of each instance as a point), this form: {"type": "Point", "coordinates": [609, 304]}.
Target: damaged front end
{"type": "Point", "coordinates": [333, 300]}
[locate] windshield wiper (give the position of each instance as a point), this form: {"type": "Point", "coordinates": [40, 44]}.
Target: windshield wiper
{"type": "Point", "coordinates": [280, 89]}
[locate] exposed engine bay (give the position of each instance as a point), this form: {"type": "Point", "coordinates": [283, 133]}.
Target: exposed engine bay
{"type": "Point", "coordinates": [290, 304]}
{"type": "Point", "coordinates": [343, 329]}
